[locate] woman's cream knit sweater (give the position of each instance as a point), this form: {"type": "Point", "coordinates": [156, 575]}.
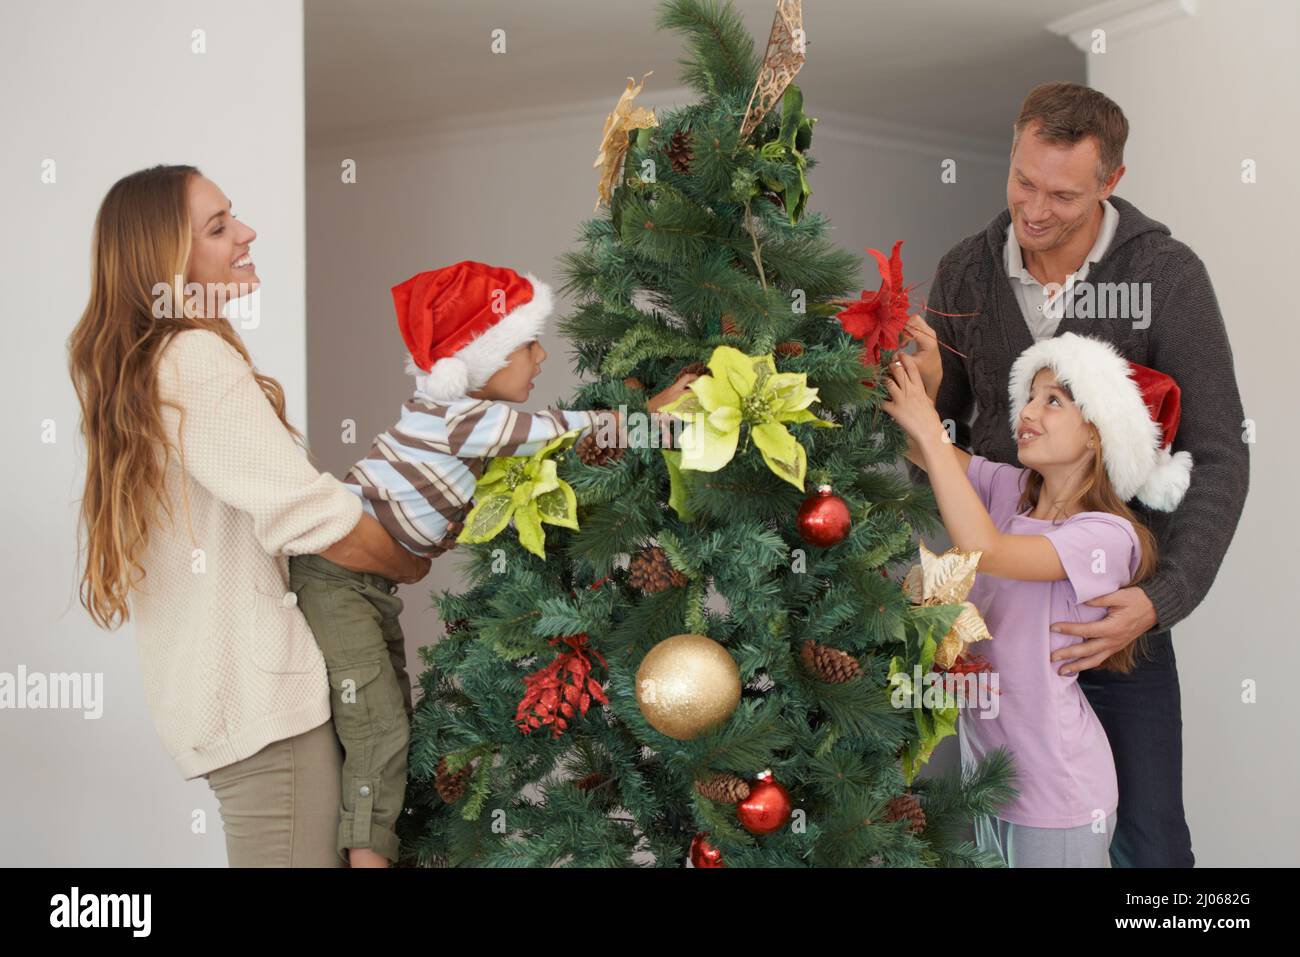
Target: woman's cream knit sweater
{"type": "Point", "coordinates": [228, 662]}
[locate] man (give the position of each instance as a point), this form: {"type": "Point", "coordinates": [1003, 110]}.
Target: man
{"type": "Point", "coordinates": [1069, 256]}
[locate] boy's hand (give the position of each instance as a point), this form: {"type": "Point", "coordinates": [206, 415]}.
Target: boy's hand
{"type": "Point", "coordinates": [928, 359]}
{"type": "Point", "coordinates": [674, 391]}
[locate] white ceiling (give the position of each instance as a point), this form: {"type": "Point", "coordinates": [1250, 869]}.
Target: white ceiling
{"type": "Point", "coordinates": [383, 66]}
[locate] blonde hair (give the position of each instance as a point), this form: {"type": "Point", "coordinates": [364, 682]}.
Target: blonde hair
{"type": "Point", "coordinates": [1098, 495]}
{"type": "Point", "coordinates": [141, 238]}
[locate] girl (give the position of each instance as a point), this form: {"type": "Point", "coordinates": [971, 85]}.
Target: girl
{"type": "Point", "coordinates": [176, 420]}
{"type": "Point", "coordinates": [1052, 535]}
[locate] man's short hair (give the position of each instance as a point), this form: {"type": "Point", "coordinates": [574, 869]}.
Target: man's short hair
{"type": "Point", "coordinates": [1068, 112]}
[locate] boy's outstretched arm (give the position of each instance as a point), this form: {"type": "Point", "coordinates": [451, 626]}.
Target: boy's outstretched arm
{"type": "Point", "coordinates": [494, 429]}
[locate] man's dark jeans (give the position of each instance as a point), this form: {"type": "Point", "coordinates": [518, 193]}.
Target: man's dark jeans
{"type": "Point", "coordinates": [1142, 715]}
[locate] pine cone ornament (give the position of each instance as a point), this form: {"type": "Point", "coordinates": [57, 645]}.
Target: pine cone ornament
{"type": "Point", "coordinates": [588, 781]}
{"type": "Point", "coordinates": [724, 788]}
{"type": "Point", "coordinates": [789, 349]}
{"type": "Point", "coordinates": [906, 807]}
{"type": "Point", "coordinates": [830, 664]}
{"type": "Point", "coordinates": [679, 151]}
{"type": "Point", "coordinates": [695, 368]}
{"type": "Point", "coordinates": [651, 572]}
{"type": "Point", "coordinates": [632, 382]}
{"type": "Point", "coordinates": [729, 327]}
{"type": "Point", "coordinates": [451, 786]}
{"type": "Point", "coordinates": [457, 624]}
{"type": "Point", "coordinates": [591, 452]}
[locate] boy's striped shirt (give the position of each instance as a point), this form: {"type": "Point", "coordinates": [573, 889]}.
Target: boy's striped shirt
{"type": "Point", "coordinates": [419, 477]}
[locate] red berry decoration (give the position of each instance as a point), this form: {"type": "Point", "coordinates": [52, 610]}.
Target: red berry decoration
{"type": "Point", "coordinates": [704, 854]}
{"type": "Point", "coordinates": [823, 519]}
{"type": "Point", "coordinates": [563, 690]}
{"type": "Point", "coordinates": [767, 808]}
{"type": "Point", "coordinates": [968, 665]}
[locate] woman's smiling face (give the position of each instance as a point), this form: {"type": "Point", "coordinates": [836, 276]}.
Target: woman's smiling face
{"type": "Point", "coordinates": [1052, 430]}
{"type": "Point", "coordinates": [219, 254]}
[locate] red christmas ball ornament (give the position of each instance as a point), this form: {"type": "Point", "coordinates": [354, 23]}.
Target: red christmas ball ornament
{"type": "Point", "coordinates": [767, 808]}
{"type": "Point", "coordinates": [704, 854]}
{"type": "Point", "coordinates": [823, 518]}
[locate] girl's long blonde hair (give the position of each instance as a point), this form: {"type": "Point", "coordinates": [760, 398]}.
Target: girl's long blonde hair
{"type": "Point", "coordinates": [1098, 495]}
{"type": "Point", "coordinates": [141, 239]}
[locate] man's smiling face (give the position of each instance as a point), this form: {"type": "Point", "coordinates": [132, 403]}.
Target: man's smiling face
{"type": "Point", "coordinates": [1053, 190]}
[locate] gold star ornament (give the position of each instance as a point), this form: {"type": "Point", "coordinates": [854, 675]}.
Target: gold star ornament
{"type": "Point", "coordinates": [786, 53]}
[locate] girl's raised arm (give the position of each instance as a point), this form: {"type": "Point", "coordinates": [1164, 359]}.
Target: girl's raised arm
{"type": "Point", "coordinates": [913, 455]}
{"type": "Point", "coordinates": [971, 528]}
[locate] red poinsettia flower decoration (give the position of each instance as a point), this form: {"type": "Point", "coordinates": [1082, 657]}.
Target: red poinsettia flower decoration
{"type": "Point", "coordinates": [878, 318]}
{"type": "Point", "coordinates": [561, 690]}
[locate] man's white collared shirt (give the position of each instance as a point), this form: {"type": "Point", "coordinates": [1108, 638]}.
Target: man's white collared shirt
{"type": "Point", "coordinates": [1043, 312]}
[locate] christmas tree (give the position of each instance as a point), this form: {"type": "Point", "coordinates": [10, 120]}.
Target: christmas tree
{"type": "Point", "coordinates": [694, 653]}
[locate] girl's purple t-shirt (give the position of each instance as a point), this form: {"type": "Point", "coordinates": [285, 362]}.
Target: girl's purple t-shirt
{"type": "Point", "coordinates": [1066, 774]}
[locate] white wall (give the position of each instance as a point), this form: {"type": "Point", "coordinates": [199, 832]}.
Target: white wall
{"type": "Point", "coordinates": [103, 90]}
{"type": "Point", "coordinates": [1203, 93]}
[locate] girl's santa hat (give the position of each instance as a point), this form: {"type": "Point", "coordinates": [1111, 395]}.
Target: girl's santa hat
{"type": "Point", "coordinates": [460, 323]}
{"type": "Point", "coordinates": [1135, 409]}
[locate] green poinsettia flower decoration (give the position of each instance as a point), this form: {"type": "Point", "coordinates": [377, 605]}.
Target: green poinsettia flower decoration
{"type": "Point", "coordinates": [935, 715]}
{"type": "Point", "coordinates": [790, 182]}
{"type": "Point", "coordinates": [748, 390]}
{"type": "Point", "coordinates": [933, 724]}
{"type": "Point", "coordinates": [527, 489]}
{"type": "Point", "coordinates": [795, 137]}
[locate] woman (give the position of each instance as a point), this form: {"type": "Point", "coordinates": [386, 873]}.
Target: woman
{"type": "Point", "coordinates": [196, 491]}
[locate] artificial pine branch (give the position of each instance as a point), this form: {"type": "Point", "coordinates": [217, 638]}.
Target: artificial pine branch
{"type": "Point", "coordinates": [722, 60]}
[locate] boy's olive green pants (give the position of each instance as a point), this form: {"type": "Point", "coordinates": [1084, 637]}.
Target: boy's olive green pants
{"type": "Point", "coordinates": [354, 618]}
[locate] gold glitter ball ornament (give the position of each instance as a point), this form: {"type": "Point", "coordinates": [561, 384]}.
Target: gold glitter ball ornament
{"type": "Point", "coordinates": [686, 685]}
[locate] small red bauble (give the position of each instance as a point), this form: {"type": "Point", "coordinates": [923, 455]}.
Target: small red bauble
{"type": "Point", "coordinates": [767, 808]}
{"type": "Point", "coordinates": [704, 854]}
{"type": "Point", "coordinates": [823, 518]}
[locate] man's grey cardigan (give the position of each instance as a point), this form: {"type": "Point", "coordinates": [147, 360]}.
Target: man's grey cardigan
{"type": "Point", "coordinates": [1185, 338]}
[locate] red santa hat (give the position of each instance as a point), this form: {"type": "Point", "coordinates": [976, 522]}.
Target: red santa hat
{"type": "Point", "coordinates": [1134, 408]}
{"type": "Point", "coordinates": [461, 322]}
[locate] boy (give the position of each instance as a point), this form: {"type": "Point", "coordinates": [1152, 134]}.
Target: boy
{"type": "Point", "coordinates": [472, 331]}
